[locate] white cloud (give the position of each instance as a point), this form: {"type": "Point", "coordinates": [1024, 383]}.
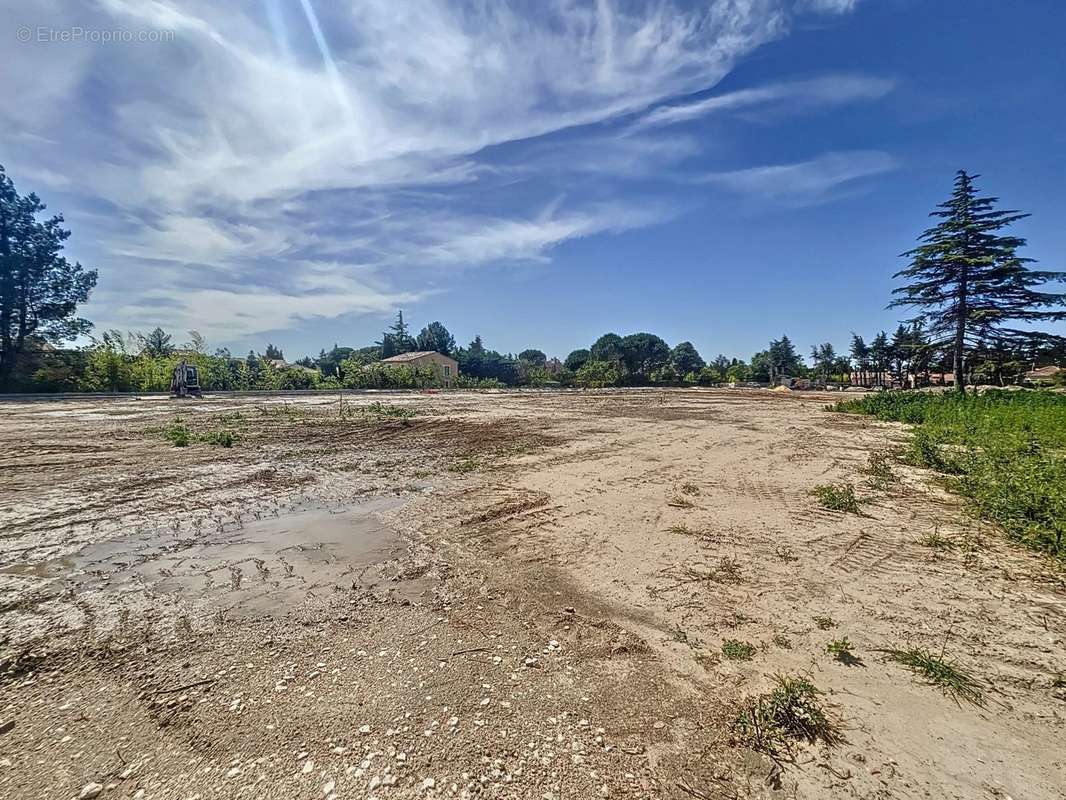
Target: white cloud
{"type": "Point", "coordinates": [827, 6]}
{"type": "Point", "coordinates": [805, 182]}
{"type": "Point", "coordinates": [291, 160]}
{"type": "Point", "coordinates": [827, 91]}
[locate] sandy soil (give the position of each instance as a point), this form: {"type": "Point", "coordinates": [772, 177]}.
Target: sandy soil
{"type": "Point", "coordinates": [505, 595]}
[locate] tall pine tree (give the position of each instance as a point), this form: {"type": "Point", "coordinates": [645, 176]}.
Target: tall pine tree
{"type": "Point", "coordinates": [968, 281]}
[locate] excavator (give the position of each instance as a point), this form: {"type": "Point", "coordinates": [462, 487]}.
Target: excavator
{"type": "Point", "coordinates": [185, 381]}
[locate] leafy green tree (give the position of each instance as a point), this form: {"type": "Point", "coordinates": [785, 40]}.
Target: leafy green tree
{"type": "Point", "coordinates": [685, 358]}
{"type": "Point", "coordinates": [709, 375]}
{"type": "Point", "coordinates": [157, 344]}
{"type": "Point", "coordinates": [968, 281]}
{"type": "Point", "coordinates": [598, 374]}
{"type": "Point", "coordinates": [435, 337]}
{"type": "Point", "coordinates": [607, 348]}
{"type": "Point", "coordinates": [108, 367]}
{"type": "Point", "coordinates": [665, 374]}
{"type": "Point", "coordinates": [532, 356]}
{"type": "Point", "coordinates": [643, 353]}
{"type": "Point", "coordinates": [254, 369]}
{"type": "Point", "coordinates": [577, 359]}
{"type": "Point", "coordinates": [273, 353]}
{"type": "Point", "coordinates": [39, 289]}
{"type": "Point", "coordinates": [738, 372]}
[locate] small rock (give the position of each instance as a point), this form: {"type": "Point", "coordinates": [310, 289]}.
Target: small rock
{"type": "Point", "coordinates": [327, 789]}
{"type": "Point", "coordinates": [428, 783]}
{"type": "Point", "coordinates": [89, 791]}
{"type": "Point", "coordinates": [308, 766]}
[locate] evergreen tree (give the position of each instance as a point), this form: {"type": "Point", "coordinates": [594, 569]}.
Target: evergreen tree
{"type": "Point", "coordinates": [783, 358]}
{"type": "Point", "coordinates": [273, 353]}
{"type": "Point", "coordinates": [860, 357]}
{"type": "Point", "coordinates": [879, 357]}
{"type": "Point", "coordinates": [824, 358]}
{"type": "Point", "coordinates": [39, 289]}
{"type": "Point", "coordinates": [967, 280]}
{"type": "Point", "coordinates": [157, 344]}
{"type": "Point", "coordinates": [397, 339]}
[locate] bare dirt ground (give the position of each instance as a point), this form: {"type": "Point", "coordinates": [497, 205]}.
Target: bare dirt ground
{"type": "Point", "coordinates": [512, 595]}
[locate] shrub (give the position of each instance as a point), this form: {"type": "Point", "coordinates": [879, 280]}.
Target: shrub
{"type": "Point", "coordinates": [736, 650]}
{"type": "Point", "coordinates": [598, 374]}
{"type": "Point", "coordinates": [837, 497]}
{"type": "Point", "coordinates": [772, 722]}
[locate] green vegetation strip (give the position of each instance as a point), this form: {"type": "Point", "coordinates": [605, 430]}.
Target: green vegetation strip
{"type": "Point", "coordinates": [1005, 451]}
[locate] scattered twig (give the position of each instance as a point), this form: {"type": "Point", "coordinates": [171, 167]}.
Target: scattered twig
{"type": "Point", "coordinates": [192, 685]}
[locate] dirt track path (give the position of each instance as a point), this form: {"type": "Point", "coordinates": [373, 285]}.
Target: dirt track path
{"type": "Point", "coordinates": [549, 625]}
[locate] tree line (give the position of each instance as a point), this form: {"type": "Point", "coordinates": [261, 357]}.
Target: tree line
{"type": "Point", "coordinates": [965, 280]}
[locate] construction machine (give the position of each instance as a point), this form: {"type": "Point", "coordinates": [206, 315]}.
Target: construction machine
{"type": "Point", "coordinates": [185, 381]}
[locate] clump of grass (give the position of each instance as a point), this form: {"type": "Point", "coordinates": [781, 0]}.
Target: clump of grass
{"type": "Point", "coordinates": [953, 680]}
{"type": "Point", "coordinates": [879, 471]}
{"type": "Point", "coordinates": [177, 433]}
{"type": "Point", "coordinates": [736, 650]}
{"type": "Point", "coordinates": [690, 489]}
{"type": "Point", "coordinates": [379, 409]}
{"type": "Point", "coordinates": [824, 623]}
{"type": "Point", "coordinates": [180, 435]}
{"type": "Point", "coordinates": [837, 497]}
{"type": "Point", "coordinates": [842, 650]}
{"type": "Point", "coordinates": [222, 438]}
{"type": "Point", "coordinates": [467, 464]}
{"type": "Point", "coordinates": [680, 502]}
{"type": "Point", "coordinates": [935, 541]}
{"type": "Point", "coordinates": [782, 641]}
{"type": "Point", "coordinates": [785, 553]}
{"type": "Point", "coordinates": [729, 570]}
{"type": "Point", "coordinates": [791, 712]}
{"type": "Point", "coordinates": [682, 529]}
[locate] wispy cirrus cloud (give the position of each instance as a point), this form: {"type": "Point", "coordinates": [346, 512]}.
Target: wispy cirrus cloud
{"type": "Point", "coordinates": [283, 152]}
{"type": "Point", "coordinates": [822, 92]}
{"type": "Point", "coordinates": [805, 182]}
{"type": "Point", "coordinates": [827, 6]}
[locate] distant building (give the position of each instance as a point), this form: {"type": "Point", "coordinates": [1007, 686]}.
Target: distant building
{"type": "Point", "coordinates": [446, 367]}
{"type": "Point", "coordinates": [1043, 374]}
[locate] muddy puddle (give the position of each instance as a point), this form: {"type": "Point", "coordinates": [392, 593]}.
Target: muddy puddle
{"type": "Point", "coordinates": [260, 568]}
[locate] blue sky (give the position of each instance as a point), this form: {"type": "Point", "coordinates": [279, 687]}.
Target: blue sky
{"type": "Point", "coordinates": [538, 172]}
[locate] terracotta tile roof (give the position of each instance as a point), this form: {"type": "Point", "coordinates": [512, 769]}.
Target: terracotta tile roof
{"type": "Point", "coordinates": [404, 357]}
